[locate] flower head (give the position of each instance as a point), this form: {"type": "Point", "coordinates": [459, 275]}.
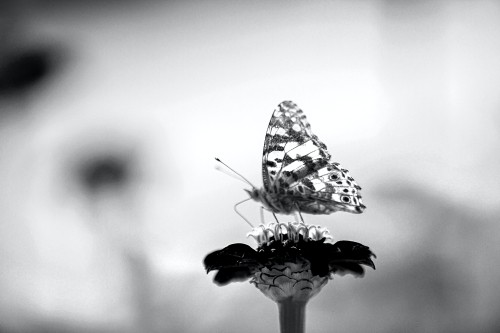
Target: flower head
{"type": "Point", "coordinates": [293, 261]}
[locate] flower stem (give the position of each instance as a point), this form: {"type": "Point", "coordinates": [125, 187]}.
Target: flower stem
{"type": "Point", "coordinates": [292, 316]}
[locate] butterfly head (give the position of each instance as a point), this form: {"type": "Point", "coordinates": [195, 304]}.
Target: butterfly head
{"type": "Point", "coordinates": [254, 194]}
{"type": "Point", "coordinates": [261, 196]}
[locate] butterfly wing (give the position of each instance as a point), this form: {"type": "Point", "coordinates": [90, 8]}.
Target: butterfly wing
{"type": "Point", "coordinates": [297, 169]}
{"type": "Point", "coordinates": [291, 151]}
{"type": "Point", "coordinates": [328, 190]}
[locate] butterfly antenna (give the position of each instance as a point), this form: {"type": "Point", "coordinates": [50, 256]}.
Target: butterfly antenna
{"type": "Point", "coordinates": [240, 177]}
{"type": "Point", "coordinates": [230, 174]}
{"type": "Point", "coordinates": [237, 212]}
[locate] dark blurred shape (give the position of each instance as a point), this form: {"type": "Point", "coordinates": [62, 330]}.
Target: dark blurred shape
{"type": "Point", "coordinates": [105, 172]}
{"type": "Point", "coordinates": [23, 70]}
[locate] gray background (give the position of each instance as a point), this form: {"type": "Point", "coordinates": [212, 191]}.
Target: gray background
{"type": "Point", "coordinates": [405, 94]}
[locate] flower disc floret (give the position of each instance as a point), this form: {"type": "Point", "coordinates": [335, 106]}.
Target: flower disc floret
{"type": "Point", "coordinates": [293, 231]}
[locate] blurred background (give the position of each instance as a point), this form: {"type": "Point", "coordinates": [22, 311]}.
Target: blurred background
{"type": "Point", "coordinates": [111, 114]}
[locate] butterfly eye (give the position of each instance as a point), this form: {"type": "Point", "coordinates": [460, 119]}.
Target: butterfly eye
{"type": "Point", "coordinates": [346, 199]}
{"type": "Point", "coordinates": [333, 176]}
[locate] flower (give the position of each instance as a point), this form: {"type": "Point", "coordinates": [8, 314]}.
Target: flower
{"type": "Point", "coordinates": [293, 261]}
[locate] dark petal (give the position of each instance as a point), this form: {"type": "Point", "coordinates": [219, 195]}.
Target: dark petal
{"type": "Point", "coordinates": [341, 258]}
{"type": "Point", "coordinates": [352, 251]}
{"type": "Point", "coordinates": [343, 268]}
{"type": "Point", "coordinates": [232, 256]}
{"type": "Point", "coordinates": [320, 268]}
{"type": "Point", "coordinates": [232, 274]}
{"type": "Point", "coordinates": [347, 257]}
{"type": "Point", "coordinates": [316, 252]}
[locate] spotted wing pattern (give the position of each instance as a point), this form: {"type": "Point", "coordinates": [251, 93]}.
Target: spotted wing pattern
{"type": "Point", "coordinates": [297, 170]}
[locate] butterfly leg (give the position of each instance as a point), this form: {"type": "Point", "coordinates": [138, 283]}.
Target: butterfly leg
{"type": "Point", "coordinates": [276, 218]}
{"type": "Point", "coordinates": [262, 215]}
{"type": "Point", "coordinates": [298, 215]}
{"type": "Point", "coordinates": [237, 212]}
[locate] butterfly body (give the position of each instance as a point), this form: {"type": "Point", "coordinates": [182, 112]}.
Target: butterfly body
{"type": "Point", "coordinates": [273, 203]}
{"type": "Point", "coordinates": [297, 170]}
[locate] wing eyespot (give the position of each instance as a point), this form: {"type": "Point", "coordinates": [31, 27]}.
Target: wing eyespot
{"type": "Point", "coordinates": [333, 176]}
{"type": "Point", "coordinates": [271, 164]}
{"type": "Point", "coordinates": [346, 199]}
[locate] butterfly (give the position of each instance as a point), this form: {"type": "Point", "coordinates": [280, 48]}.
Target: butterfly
{"type": "Point", "coordinates": [297, 170]}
